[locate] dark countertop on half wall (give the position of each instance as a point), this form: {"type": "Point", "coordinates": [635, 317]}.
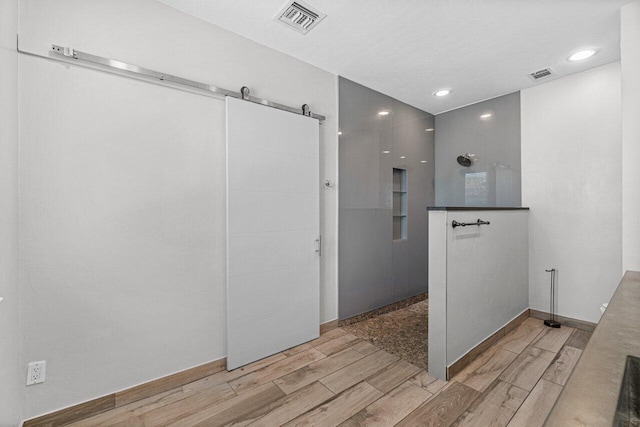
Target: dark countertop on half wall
{"type": "Point", "coordinates": [476, 208]}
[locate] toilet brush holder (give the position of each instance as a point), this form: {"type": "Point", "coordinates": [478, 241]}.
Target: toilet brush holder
{"type": "Point", "coordinates": [552, 322]}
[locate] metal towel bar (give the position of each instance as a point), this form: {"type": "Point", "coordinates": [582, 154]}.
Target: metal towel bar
{"type": "Point", "coordinates": [479, 222]}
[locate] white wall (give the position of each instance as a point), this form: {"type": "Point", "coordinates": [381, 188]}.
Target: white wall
{"type": "Point", "coordinates": [571, 180]}
{"type": "Point", "coordinates": [122, 193]}
{"type": "Point", "coordinates": [10, 390]}
{"type": "Point", "coordinates": [630, 54]}
{"type": "Point", "coordinates": [437, 321]}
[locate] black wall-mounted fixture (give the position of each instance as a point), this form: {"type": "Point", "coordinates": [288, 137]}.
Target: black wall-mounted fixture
{"type": "Point", "coordinates": [465, 160]}
{"type": "Point", "coordinates": [479, 222]}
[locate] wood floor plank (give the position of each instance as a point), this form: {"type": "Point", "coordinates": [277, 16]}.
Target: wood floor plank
{"type": "Point", "coordinates": [390, 408]}
{"type": "Point", "coordinates": [193, 403]}
{"type": "Point", "coordinates": [338, 344]}
{"type": "Point", "coordinates": [495, 407]}
{"type": "Point", "coordinates": [483, 371]}
{"type": "Point", "coordinates": [342, 407]}
{"type": "Point", "coordinates": [534, 322]}
{"type": "Point", "coordinates": [516, 322]}
{"type": "Point", "coordinates": [443, 408]}
{"type": "Point", "coordinates": [294, 405]}
{"type": "Point", "coordinates": [226, 376]}
{"type": "Point", "coordinates": [232, 409]}
{"type": "Point", "coordinates": [578, 339]}
{"type": "Point", "coordinates": [76, 412]}
{"type": "Point", "coordinates": [361, 385]}
{"type": "Point", "coordinates": [131, 410]}
{"type": "Point", "coordinates": [562, 366]}
{"type": "Point", "coordinates": [365, 348]}
{"type": "Point", "coordinates": [303, 347]}
{"type": "Point", "coordinates": [528, 367]}
{"type": "Point", "coordinates": [327, 336]}
{"type": "Point", "coordinates": [169, 382]}
{"type": "Point", "coordinates": [464, 361]}
{"type": "Point", "coordinates": [393, 375]}
{"type": "Point", "coordinates": [552, 339]}
{"type": "Point", "coordinates": [129, 423]}
{"type": "Point", "coordinates": [422, 379]}
{"type": "Point", "coordinates": [275, 370]}
{"type": "Point", "coordinates": [566, 321]}
{"type": "Point", "coordinates": [436, 386]}
{"type": "Point", "coordinates": [349, 423]}
{"type": "Point", "coordinates": [519, 338]}
{"type": "Point", "coordinates": [358, 371]}
{"type": "Point", "coordinates": [537, 405]}
{"type": "Point", "coordinates": [317, 370]}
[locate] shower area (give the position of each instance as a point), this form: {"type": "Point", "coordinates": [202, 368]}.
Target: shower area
{"type": "Point", "coordinates": [394, 162]}
{"type": "Point", "coordinates": [386, 177]}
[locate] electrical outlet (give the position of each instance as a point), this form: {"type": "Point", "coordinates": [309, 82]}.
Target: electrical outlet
{"type": "Point", "coordinates": [36, 372]}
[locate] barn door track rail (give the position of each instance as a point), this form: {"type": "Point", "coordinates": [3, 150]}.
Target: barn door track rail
{"type": "Point", "coordinates": [70, 55]}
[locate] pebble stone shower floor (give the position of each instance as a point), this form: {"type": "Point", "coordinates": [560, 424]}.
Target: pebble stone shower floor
{"type": "Point", "coordinates": [401, 332]}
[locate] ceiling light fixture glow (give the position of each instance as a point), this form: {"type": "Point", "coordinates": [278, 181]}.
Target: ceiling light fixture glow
{"type": "Point", "coordinates": [383, 113]}
{"type": "Point", "coordinates": [442, 92]}
{"type": "Point", "coordinates": [386, 152]}
{"type": "Point", "coordinates": [583, 54]}
{"type": "Point", "coordinates": [485, 116]}
{"type": "Point", "coordinates": [339, 133]}
{"type": "Point", "coordinates": [403, 157]}
{"type": "Point", "coordinates": [423, 161]}
{"type": "Point", "coordinates": [429, 130]}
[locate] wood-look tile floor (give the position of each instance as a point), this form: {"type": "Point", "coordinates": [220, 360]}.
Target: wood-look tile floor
{"type": "Point", "coordinates": [342, 380]}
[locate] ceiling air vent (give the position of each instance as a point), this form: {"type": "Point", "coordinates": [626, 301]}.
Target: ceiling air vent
{"type": "Point", "coordinates": [541, 74]}
{"type": "Point", "coordinates": [300, 16]}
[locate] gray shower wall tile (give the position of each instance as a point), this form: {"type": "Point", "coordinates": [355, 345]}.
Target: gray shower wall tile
{"type": "Point", "coordinates": [400, 259]}
{"type": "Point", "coordinates": [495, 141]}
{"type": "Point", "coordinates": [375, 270]}
{"type": "Point", "coordinates": [365, 179]}
{"type": "Point", "coordinates": [365, 272]}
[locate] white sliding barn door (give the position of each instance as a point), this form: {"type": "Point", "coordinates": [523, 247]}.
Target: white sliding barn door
{"type": "Point", "coordinates": [273, 295]}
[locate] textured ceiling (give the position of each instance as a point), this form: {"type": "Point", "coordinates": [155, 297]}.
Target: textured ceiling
{"type": "Point", "coordinates": [409, 48]}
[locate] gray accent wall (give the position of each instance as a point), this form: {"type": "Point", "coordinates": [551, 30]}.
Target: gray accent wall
{"type": "Point", "coordinates": [494, 177]}
{"type": "Point", "coordinates": [374, 269]}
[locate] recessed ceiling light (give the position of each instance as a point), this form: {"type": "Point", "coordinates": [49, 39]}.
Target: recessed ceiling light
{"type": "Point", "coordinates": [423, 161]}
{"type": "Point", "coordinates": [442, 92]}
{"type": "Point", "coordinates": [386, 152]}
{"type": "Point", "coordinates": [403, 157]}
{"type": "Point", "coordinates": [383, 113]}
{"type": "Point", "coordinates": [339, 133]}
{"type": "Point", "coordinates": [429, 130]}
{"type": "Point", "coordinates": [485, 116]}
{"type": "Point", "coordinates": [583, 54]}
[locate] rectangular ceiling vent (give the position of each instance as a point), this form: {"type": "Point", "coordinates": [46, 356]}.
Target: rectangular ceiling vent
{"type": "Point", "coordinates": [541, 74]}
{"type": "Point", "coordinates": [300, 16]}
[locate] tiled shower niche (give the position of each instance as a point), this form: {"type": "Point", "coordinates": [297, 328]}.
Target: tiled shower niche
{"type": "Point", "coordinates": [399, 204]}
